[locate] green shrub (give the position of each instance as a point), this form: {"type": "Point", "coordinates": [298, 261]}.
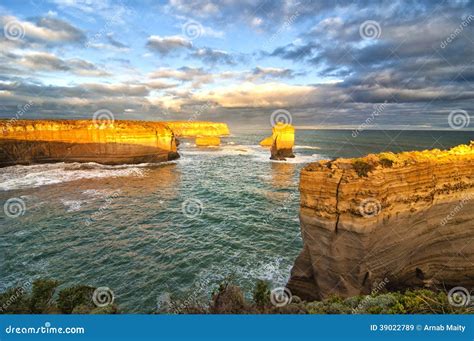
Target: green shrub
{"type": "Point", "coordinates": [386, 163]}
{"type": "Point", "coordinates": [362, 168]}
{"type": "Point", "coordinates": [79, 296]}
{"type": "Point", "coordinates": [41, 300]}
{"type": "Point", "coordinates": [261, 294]}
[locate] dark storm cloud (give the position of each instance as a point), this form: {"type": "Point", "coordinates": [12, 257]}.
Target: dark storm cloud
{"type": "Point", "coordinates": [420, 54]}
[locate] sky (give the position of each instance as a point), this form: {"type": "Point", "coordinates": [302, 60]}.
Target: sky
{"type": "Point", "coordinates": [315, 64]}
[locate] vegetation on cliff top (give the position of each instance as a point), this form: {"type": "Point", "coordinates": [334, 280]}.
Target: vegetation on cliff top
{"type": "Point", "coordinates": [228, 299]}
{"type": "Point", "coordinates": [44, 299]}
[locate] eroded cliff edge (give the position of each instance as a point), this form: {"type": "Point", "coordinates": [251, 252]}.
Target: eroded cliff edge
{"type": "Point", "coordinates": [406, 220]}
{"type": "Point", "coordinates": [198, 128]}
{"type": "Point", "coordinates": [40, 141]}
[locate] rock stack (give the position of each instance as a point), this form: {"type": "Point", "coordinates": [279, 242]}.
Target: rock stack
{"type": "Point", "coordinates": [283, 138]}
{"type": "Point", "coordinates": [406, 220]}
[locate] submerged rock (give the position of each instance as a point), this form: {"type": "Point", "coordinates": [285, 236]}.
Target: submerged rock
{"type": "Point", "coordinates": [391, 220]}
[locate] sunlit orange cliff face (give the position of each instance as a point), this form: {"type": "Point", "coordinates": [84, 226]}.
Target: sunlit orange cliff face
{"type": "Point", "coordinates": [283, 140]}
{"type": "Point", "coordinates": [403, 219]}
{"type": "Point", "coordinates": [206, 133]}
{"type": "Point", "coordinates": [118, 142]}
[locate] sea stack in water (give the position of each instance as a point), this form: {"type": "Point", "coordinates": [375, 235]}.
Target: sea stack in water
{"type": "Point", "coordinates": [267, 142]}
{"type": "Point", "coordinates": [283, 140]}
{"type": "Point", "coordinates": [198, 128]}
{"type": "Point", "coordinates": [208, 141]}
{"type": "Point", "coordinates": [405, 220]}
{"type": "Point", "coordinates": [119, 142]}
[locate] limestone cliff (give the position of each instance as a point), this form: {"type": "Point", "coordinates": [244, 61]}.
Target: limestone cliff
{"type": "Point", "coordinates": [206, 141]}
{"type": "Point", "coordinates": [39, 141]}
{"type": "Point", "coordinates": [406, 219]}
{"type": "Point", "coordinates": [198, 128]}
{"type": "Point", "coordinates": [283, 136]}
{"type": "Point", "coordinates": [267, 141]}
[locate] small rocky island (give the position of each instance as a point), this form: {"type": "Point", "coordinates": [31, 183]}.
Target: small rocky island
{"type": "Point", "coordinates": [120, 142]}
{"type": "Point", "coordinates": [281, 141]}
{"type": "Point", "coordinates": [404, 220]}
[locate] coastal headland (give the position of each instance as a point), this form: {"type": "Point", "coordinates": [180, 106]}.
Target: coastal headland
{"type": "Point", "coordinates": [404, 220]}
{"type": "Point", "coordinates": [118, 142]}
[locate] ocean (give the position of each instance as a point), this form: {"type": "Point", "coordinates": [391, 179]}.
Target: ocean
{"type": "Point", "coordinates": [174, 229]}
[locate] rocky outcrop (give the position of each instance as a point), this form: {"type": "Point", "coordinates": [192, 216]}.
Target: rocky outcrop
{"type": "Point", "coordinates": [283, 137]}
{"type": "Point", "coordinates": [198, 128]}
{"type": "Point", "coordinates": [404, 220]}
{"type": "Point", "coordinates": [40, 141]}
{"type": "Point", "coordinates": [208, 141]}
{"type": "Point", "coordinates": [267, 142]}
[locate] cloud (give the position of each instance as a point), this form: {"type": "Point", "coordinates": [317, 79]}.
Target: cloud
{"type": "Point", "coordinates": [168, 44]}
{"type": "Point", "coordinates": [270, 72]}
{"type": "Point", "coordinates": [45, 29]}
{"type": "Point", "coordinates": [43, 61]}
{"type": "Point", "coordinates": [249, 94]}
{"type": "Point", "coordinates": [211, 56]}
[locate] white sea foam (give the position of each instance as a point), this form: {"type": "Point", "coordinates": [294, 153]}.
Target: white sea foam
{"type": "Point", "coordinates": [72, 205]}
{"type": "Point", "coordinates": [256, 152]}
{"type": "Point", "coordinates": [306, 147]}
{"type": "Point", "coordinates": [23, 177]}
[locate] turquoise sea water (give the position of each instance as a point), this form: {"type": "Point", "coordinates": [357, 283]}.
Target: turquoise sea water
{"type": "Point", "coordinates": [150, 231]}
